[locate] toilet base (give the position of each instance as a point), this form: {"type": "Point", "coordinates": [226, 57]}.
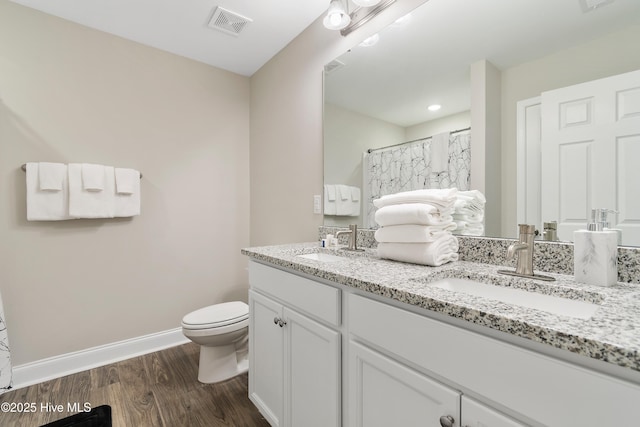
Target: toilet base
{"type": "Point", "coordinates": [219, 363]}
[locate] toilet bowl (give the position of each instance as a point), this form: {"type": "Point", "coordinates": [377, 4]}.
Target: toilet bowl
{"type": "Point", "coordinates": [221, 330]}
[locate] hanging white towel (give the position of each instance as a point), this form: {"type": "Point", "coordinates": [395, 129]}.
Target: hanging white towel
{"type": "Point", "coordinates": [91, 204]}
{"type": "Point", "coordinates": [329, 199]}
{"type": "Point", "coordinates": [343, 192]}
{"type": "Point", "coordinates": [434, 254]}
{"type": "Point", "coordinates": [412, 213]}
{"type": "Point", "coordinates": [126, 180]}
{"type": "Point", "coordinates": [331, 192]}
{"type": "Point", "coordinates": [45, 205]}
{"type": "Point", "coordinates": [127, 198]}
{"type": "Point", "coordinates": [440, 152]}
{"type": "Point", "coordinates": [93, 177]}
{"type": "Point", "coordinates": [51, 176]}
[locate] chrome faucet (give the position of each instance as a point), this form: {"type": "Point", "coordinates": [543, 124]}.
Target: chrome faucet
{"type": "Point", "coordinates": [523, 249]}
{"type": "Point", "coordinates": [353, 237]}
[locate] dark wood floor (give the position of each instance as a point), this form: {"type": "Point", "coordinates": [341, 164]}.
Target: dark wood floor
{"type": "Point", "coordinates": [159, 389]}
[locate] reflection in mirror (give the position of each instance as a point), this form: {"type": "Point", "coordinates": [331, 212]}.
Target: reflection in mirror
{"type": "Point", "coordinates": [377, 94]}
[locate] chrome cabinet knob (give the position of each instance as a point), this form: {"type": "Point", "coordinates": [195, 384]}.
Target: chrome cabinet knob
{"type": "Point", "coordinates": [282, 323]}
{"type": "Point", "coordinates": [447, 421]}
{"type": "Point", "coordinates": [276, 320]}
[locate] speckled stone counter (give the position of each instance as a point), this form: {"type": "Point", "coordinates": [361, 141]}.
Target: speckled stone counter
{"type": "Point", "coordinates": [612, 334]}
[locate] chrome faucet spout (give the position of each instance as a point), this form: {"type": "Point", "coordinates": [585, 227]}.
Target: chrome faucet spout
{"type": "Point", "coordinates": [514, 248]}
{"type": "Point", "coordinates": [353, 237]}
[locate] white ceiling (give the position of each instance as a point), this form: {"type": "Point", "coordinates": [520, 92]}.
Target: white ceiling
{"type": "Point", "coordinates": [426, 61]}
{"type": "Point", "coordinates": [180, 26]}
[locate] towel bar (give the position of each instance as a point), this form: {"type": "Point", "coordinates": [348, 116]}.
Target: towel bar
{"type": "Point", "coordinates": [24, 168]}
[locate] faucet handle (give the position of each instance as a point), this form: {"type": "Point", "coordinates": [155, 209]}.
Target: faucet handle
{"type": "Point", "coordinates": [526, 229]}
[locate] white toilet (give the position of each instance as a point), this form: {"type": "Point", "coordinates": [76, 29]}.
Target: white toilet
{"type": "Point", "coordinates": [222, 332]}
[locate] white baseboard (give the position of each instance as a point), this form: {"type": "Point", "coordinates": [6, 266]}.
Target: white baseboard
{"type": "Point", "coordinates": [70, 363]}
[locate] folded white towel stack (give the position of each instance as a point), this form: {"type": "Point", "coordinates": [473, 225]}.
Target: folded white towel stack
{"type": "Point", "coordinates": [468, 213]}
{"type": "Point", "coordinates": [416, 226]}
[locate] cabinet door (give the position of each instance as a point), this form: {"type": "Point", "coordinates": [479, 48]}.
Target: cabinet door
{"type": "Point", "coordinates": [266, 359]}
{"type": "Point", "coordinates": [312, 372]}
{"type": "Point", "coordinates": [384, 392]}
{"type": "Point", "coordinates": [475, 414]}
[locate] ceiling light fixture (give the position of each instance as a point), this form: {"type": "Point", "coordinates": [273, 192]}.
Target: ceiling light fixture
{"type": "Point", "coordinates": [337, 17]}
{"type": "Point", "coordinates": [434, 107]}
{"type": "Point", "coordinates": [366, 3]}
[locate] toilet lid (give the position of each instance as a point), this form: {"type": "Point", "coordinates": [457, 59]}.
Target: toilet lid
{"type": "Point", "coordinates": [217, 315]}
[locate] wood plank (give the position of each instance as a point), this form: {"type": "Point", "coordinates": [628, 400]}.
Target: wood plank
{"type": "Point", "coordinates": [156, 390]}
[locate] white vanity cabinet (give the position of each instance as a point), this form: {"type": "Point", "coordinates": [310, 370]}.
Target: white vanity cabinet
{"type": "Point", "coordinates": [295, 349]}
{"type": "Point", "coordinates": [537, 389]}
{"type": "Point", "coordinates": [384, 392]}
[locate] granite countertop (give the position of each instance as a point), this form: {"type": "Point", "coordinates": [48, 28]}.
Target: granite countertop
{"type": "Point", "coordinates": [612, 334]}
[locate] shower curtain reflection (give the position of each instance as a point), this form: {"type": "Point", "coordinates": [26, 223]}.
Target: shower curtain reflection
{"type": "Point", "coordinates": [408, 167]}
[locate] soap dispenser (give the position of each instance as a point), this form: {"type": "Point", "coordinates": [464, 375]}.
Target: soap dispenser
{"type": "Point", "coordinates": [595, 252]}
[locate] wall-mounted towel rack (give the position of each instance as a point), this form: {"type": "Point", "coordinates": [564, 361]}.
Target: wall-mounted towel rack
{"type": "Point", "coordinates": [24, 168]}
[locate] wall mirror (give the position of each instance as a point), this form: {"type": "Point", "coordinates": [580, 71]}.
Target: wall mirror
{"type": "Point", "coordinates": [378, 93]}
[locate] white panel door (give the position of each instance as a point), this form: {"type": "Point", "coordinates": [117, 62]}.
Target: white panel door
{"type": "Point", "coordinates": [266, 358]}
{"type": "Point", "coordinates": [590, 145]}
{"type": "Point", "coordinates": [384, 392]}
{"type": "Point", "coordinates": [475, 414]}
{"type": "Point", "coordinates": [312, 373]}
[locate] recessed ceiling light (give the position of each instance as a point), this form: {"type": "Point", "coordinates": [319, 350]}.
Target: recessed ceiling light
{"type": "Point", "coordinates": [434, 107]}
{"type": "Point", "coordinates": [589, 5]}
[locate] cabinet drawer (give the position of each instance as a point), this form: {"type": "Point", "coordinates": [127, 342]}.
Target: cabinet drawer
{"type": "Point", "coordinates": [542, 388]}
{"type": "Point", "coordinates": [316, 299]}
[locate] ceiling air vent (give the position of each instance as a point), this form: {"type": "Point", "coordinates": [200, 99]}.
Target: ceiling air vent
{"type": "Point", "coordinates": [228, 22]}
{"type": "Point", "coordinates": [333, 66]}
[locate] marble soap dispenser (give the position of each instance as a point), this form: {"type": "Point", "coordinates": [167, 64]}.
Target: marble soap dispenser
{"type": "Point", "coordinates": [595, 253]}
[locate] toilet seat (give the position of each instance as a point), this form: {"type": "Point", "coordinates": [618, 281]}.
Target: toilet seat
{"type": "Point", "coordinates": [216, 316]}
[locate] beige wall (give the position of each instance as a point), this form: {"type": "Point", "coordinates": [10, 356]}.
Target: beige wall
{"type": "Point", "coordinates": [346, 136]}
{"type": "Point", "coordinates": [614, 54]}
{"type": "Point", "coordinates": [286, 130]}
{"type": "Point", "coordinates": [71, 94]}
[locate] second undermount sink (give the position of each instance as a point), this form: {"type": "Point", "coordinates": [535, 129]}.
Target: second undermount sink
{"type": "Point", "coordinates": [548, 303]}
{"type": "Point", "coordinates": [321, 256]}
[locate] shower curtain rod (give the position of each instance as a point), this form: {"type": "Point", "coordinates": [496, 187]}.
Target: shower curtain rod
{"type": "Point", "coordinates": [371, 150]}
{"type": "Point", "coordinates": [24, 168]}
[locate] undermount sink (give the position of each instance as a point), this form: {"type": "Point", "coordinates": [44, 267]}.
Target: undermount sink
{"type": "Point", "coordinates": [321, 256]}
{"type": "Point", "coordinates": [548, 303]}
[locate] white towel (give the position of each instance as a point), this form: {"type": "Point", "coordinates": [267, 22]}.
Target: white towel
{"type": "Point", "coordinates": [344, 206]}
{"type": "Point", "coordinates": [434, 254]}
{"type": "Point", "coordinates": [329, 199]}
{"type": "Point", "coordinates": [355, 194]}
{"type": "Point", "coordinates": [331, 192]}
{"type": "Point", "coordinates": [51, 176]}
{"type": "Point", "coordinates": [410, 233]}
{"type": "Point", "coordinates": [127, 197]}
{"type": "Point", "coordinates": [93, 177]}
{"type": "Point", "coordinates": [91, 204]}
{"type": "Point", "coordinates": [127, 180]}
{"type": "Point", "coordinates": [443, 198]}
{"type": "Point", "coordinates": [440, 152]}
{"type": "Point", "coordinates": [412, 213]}
{"type": "Point", "coordinates": [343, 192]}
{"type": "Point", "coordinates": [45, 205]}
